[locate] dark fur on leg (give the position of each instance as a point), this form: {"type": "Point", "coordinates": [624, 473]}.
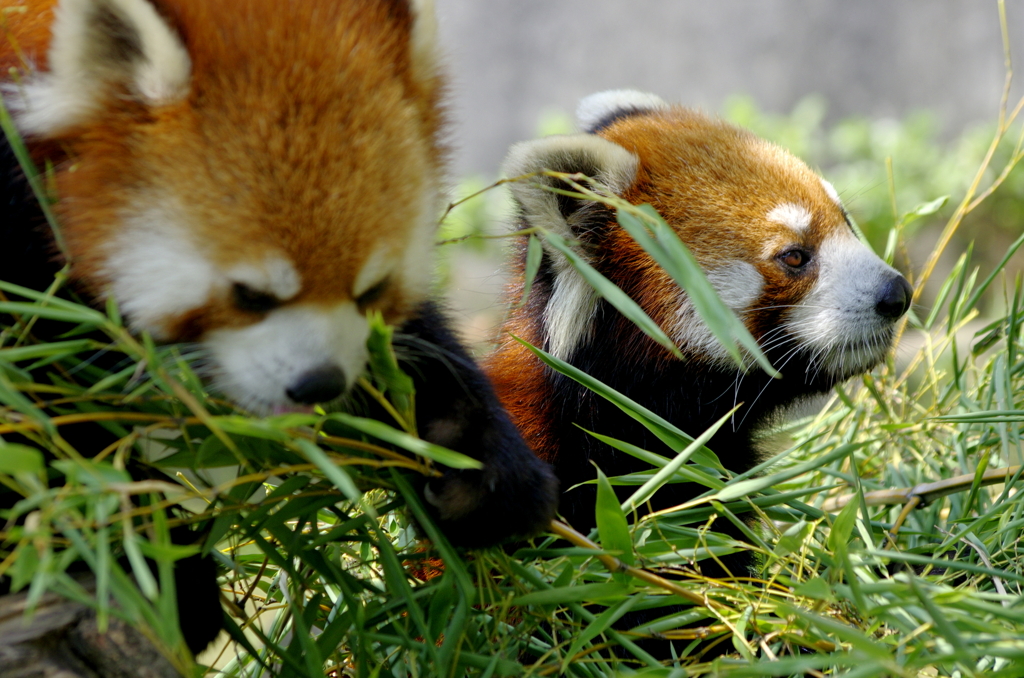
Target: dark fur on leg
{"type": "Point", "coordinates": [515, 494]}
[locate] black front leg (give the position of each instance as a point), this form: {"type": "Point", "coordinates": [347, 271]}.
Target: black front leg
{"type": "Point", "coordinates": [515, 494]}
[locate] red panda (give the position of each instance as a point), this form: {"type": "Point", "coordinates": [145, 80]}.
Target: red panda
{"type": "Point", "coordinates": [773, 239]}
{"type": "Point", "coordinates": [256, 176]}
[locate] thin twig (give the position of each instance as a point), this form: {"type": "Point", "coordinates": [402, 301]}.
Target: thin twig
{"type": "Point", "coordinates": [923, 492]}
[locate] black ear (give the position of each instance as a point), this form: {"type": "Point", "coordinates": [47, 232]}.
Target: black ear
{"type": "Point", "coordinates": [607, 162]}
{"type": "Point", "coordinates": [99, 46]}
{"type": "Point", "coordinates": [601, 110]}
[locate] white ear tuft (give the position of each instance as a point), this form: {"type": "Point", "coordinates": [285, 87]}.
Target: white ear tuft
{"type": "Point", "coordinates": [96, 45]}
{"type": "Point", "coordinates": [598, 110]}
{"type": "Point", "coordinates": [609, 163]}
{"type": "Point", "coordinates": [423, 41]}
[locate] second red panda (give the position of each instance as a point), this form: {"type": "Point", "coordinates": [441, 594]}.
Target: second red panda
{"type": "Point", "coordinates": [773, 239]}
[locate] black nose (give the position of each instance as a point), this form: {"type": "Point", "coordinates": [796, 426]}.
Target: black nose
{"type": "Point", "coordinates": [894, 298]}
{"type": "Point", "coordinates": [317, 386]}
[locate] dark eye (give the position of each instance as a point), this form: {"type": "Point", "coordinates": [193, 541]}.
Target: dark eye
{"type": "Point", "coordinates": [795, 258]}
{"type": "Point", "coordinates": [253, 301]}
{"type": "Point", "coordinates": [370, 296]}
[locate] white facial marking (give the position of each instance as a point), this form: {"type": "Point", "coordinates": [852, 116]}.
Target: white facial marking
{"type": "Point", "coordinates": [274, 275]}
{"type": "Point", "coordinates": [739, 285]}
{"type": "Point", "coordinates": [837, 320]}
{"type": "Point", "coordinates": [82, 63]}
{"type": "Point", "coordinates": [255, 365]}
{"type": "Point", "coordinates": [831, 191]}
{"type": "Point", "coordinates": [415, 267]}
{"type": "Point", "coordinates": [377, 267]}
{"type": "Point", "coordinates": [155, 272]}
{"type": "Point", "coordinates": [792, 216]}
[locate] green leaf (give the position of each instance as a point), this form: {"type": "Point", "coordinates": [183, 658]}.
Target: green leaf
{"type": "Point", "coordinates": [612, 525]}
{"type": "Point", "coordinates": [79, 315]}
{"type": "Point", "coordinates": [16, 458]}
{"type": "Point", "coordinates": [793, 538]}
{"type": "Point", "coordinates": [31, 352]}
{"type": "Point", "coordinates": [387, 374]}
{"type": "Point", "coordinates": [816, 588]}
{"type": "Point", "coordinates": [336, 474]}
{"type": "Point", "coordinates": [405, 441]}
{"type": "Point", "coordinates": [847, 634]}
{"type": "Point", "coordinates": [743, 488]}
{"type": "Point", "coordinates": [572, 594]}
{"type": "Point", "coordinates": [690, 473]}
{"type": "Point", "coordinates": [597, 627]}
{"type": "Point", "coordinates": [661, 242]}
{"type": "Point", "coordinates": [842, 528]}
{"type": "Point", "coordinates": [925, 209]}
{"type": "Point", "coordinates": [534, 254]}
{"type": "Point", "coordinates": [613, 295]}
{"type": "Point", "coordinates": [663, 475]}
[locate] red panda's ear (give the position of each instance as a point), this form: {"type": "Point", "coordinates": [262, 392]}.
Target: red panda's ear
{"type": "Point", "coordinates": [99, 49]}
{"type": "Point", "coordinates": [600, 110]}
{"type": "Point", "coordinates": [423, 41]}
{"type": "Point", "coordinates": [573, 301]}
{"type": "Point", "coordinates": [607, 162]}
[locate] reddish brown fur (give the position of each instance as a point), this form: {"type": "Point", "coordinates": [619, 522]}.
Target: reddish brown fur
{"type": "Point", "coordinates": [518, 377]}
{"type": "Point", "coordinates": [738, 178]}
{"type": "Point", "coordinates": [262, 99]}
{"type": "Point", "coordinates": [24, 33]}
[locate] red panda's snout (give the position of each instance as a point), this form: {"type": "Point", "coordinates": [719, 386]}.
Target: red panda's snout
{"type": "Point", "coordinates": [294, 357]}
{"type": "Point", "coordinates": [845, 322]}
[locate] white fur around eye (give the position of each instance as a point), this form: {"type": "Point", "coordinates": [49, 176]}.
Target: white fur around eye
{"type": "Point", "coordinates": [832, 192]}
{"type": "Point", "coordinates": [794, 217]}
{"type": "Point", "coordinates": [836, 321]}
{"type": "Point", "coordinates": [739, 285]}
{"type": "Point", "coordinates": [376, 267]}
{"type": "Point", "coordinates": [274, 275]}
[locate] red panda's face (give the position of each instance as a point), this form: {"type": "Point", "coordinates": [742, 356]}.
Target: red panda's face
{"type": "Point", "coordinates": [254, 179]}
{"type": "Point", "coordinates": [771, 236]}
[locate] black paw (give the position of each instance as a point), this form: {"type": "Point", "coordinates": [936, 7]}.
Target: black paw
{"type": "Point", "coordinates": [477, 509]}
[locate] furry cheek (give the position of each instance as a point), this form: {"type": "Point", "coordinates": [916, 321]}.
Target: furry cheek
{"type": "Point", "coordinates": [739, 285]}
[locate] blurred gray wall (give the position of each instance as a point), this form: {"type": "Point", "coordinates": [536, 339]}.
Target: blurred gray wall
{"type": "Point", "coordinates": [513, 59]}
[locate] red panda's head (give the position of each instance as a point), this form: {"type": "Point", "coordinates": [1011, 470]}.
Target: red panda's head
{"type": "Point", "coordinates": [255, 176]}
{"type": "Point", "coordinates": [772, 237]}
